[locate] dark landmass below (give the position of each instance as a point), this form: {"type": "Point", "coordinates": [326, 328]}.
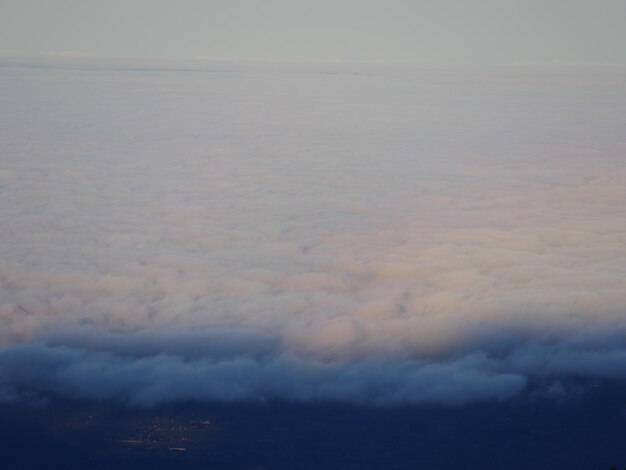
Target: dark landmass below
{"type": "Point", "coordinates": [577, 431]}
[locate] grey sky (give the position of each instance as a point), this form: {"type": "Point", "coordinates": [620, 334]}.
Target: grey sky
{"type": "Point", "coordinates": [436, 31]}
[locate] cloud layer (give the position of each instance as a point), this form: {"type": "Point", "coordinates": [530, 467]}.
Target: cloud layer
{"type": "Point", "coordinates": [370, 234]}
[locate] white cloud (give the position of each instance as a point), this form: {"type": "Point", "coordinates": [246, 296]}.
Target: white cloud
{"type": "Point", "coordinates": [378, 235]}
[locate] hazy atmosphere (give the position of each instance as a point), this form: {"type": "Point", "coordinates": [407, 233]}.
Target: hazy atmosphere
{"type": "Point", "coordinates": [314, 235]}
{"type": "Point", "coordinates": [422, 31]}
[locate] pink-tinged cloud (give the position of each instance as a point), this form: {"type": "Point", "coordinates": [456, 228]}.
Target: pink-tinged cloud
{"type": "Point", "coordinates": [371, 234]}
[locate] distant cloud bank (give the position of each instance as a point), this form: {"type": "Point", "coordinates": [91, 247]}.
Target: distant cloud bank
{"type": "Point", "coordinates": [359, 233]}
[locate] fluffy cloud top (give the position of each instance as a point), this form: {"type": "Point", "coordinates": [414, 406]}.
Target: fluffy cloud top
{"type": "Point", "coordinates": [357, 233]}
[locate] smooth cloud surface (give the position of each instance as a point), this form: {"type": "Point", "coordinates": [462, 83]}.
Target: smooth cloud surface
{"type": "Point", "coordinates": [367, 234]}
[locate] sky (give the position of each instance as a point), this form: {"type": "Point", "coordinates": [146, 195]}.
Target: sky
{"type": "Point", "coordinates": [360, 233]}
{"type": "Point", "coordinates": [421, 31]}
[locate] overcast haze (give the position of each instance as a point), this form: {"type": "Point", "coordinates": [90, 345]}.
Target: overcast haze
{"type": "Point", "coordinates": [442, 31]}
